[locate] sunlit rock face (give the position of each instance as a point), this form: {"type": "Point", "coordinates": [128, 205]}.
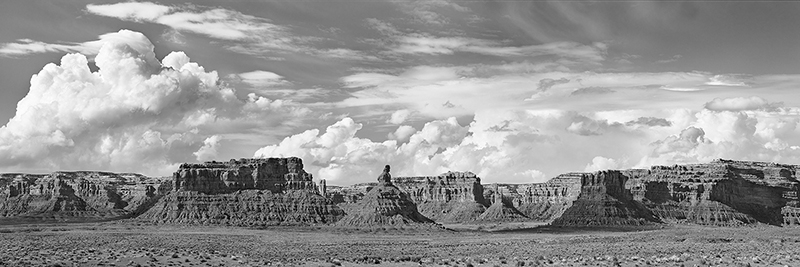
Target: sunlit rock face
{"type": "Point", "coordinates": [723, 192]}
{"type": "Point", "coordinates": [273, 174]}
{"type": "Point", "coordinates": [78, 195]}
{"type": "Point", "coordinates": [245, 192]}
{"type": "Point", "coordinates": [448, 197]}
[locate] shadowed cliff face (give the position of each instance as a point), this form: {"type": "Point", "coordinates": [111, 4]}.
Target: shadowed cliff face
{"type": "Point", "coordinates": [272, 191]}
{"type": "Point", "coordinates": [720, 193]}
{"type": "Point", "coordinates": [723, 192]}
{"type": "Point", "coordinates": [604, 201]}
{"type": "Point", "coordinates": [78, 196]}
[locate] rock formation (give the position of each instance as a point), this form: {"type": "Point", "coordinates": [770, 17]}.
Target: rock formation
{"type": "Point", "coordinates": [723, 192]}
{"type": "Point", "coordinates": [246, 192]}
{"type": "Point", "coordinates": [449, 197]}
{"type": "Point", "coordinates": [501, 210]}
{"type": "Point", "coordinates": [546, 201]}
{"type": "Point", "coordinates": [273, 174]}
{"type": "Point", "coordinates": [604, 201]}
{"type": "Point", "coordinates": [384, 205]}
{"type": "Point", "coordinates": [78, 195]}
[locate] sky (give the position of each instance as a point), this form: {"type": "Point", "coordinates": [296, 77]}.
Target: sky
{"type": "Point", "coordinates": [514, 91]}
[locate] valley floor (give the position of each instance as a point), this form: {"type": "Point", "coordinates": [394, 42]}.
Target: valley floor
{"type": "Point", "coordinates": [128, 244]}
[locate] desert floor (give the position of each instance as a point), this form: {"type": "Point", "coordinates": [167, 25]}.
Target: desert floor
{"type": "Point", "coordinates": [131, 244]}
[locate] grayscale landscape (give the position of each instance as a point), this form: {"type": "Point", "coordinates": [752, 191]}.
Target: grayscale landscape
{"type": "Point", "coordinates": [399, 133]}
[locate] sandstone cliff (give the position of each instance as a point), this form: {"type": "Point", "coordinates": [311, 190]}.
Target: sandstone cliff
{"type": "Point", "coordinates": [245, 192]}
{"type": "Point", "coordinates": [604, 201]}
{"type": "Point", "coordinates": [449, 197]}
{"type": "Point", "coordinates": [385, 205]}
{"type": "Point", "coordinates": [501, 210]}
{"type": "Point", "coordinates": [723, 192]}
{"type": "Point", "coordinates": [78, 196]}
{"type": "Point", "coordinates": [273, 174]}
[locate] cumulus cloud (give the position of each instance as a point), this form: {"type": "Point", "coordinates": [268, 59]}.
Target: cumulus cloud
{"type": "Point", "coordinates": [740, 103]}
{"type": "Point", "coordinates": [601, 163]}
{"type": "Point", "coordinates": [516, 145]}
{"type": "Point", "coordinates": [530, 148]}
{"type": "Point", "coordinates": [402, 133]}
{"type": "Point", "coordinates": [135, 113]}
{"type": "Point", "coordinates": [400, 116]}
{"type": "Point", "coordinates": [209, 150]}
{"type": "Point", "coordinates": [761, 135]}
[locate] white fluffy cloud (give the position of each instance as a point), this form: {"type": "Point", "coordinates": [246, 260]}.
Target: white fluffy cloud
{"type": "Point", "coordinates": [402, 133]}
{"type": "Point", "coordinates": [210, 149]}
{"type": "Point", "coordinates": [135, 113]}
{"type": "Point", "coordinates": [512, 145]}
{"type": "Point", "coordinates": [400, 116]}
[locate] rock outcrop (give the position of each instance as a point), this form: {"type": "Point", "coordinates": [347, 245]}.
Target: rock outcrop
{"type": "Point", "coordinates": [604, 201]}
{"type": "Point", "coordinates": [385, 205]}
{"type": "Point", "coordinates": [723, 193]}
{"type": "Point", "coordinates": [78, 195]}
{"type": "Point", "coordinates": [547, 201]}
{"type": "Point", "coordinates": [449, 197]}
{"type": "Point", "coordinates": [246, 192]}
{"type": "Point", "coordinates": [501, 210]}
{"type": "Point", "coordinates": [273, 174]}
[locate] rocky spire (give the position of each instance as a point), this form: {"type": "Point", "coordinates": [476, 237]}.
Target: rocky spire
{"type": "Point", "coordinates": [385, 178]}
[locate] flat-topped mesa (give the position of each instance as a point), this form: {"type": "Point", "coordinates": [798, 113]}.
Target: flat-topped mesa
{"type": "Point", "coordinates": [245, 192]}
{"type": "Point", "coordinates": [448, 197]}
{"type": "Point", "coordinates": [547, 201]}
{"type": "Point", "coordinates": [449, 186]}
{"type": "Point", "coordinates": [723, 192]}
{"type": "Point", "coordinates": [273, 174]}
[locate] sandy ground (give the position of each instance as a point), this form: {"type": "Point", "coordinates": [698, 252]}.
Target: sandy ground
{"type": "Point", "coordinates": [116, 244]}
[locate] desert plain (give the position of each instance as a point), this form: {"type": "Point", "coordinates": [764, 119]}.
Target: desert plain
{"type": "Point", "coordinates": [124, 243]}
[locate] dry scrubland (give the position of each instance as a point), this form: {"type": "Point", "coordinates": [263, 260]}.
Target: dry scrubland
{"type": "Point", "coordinates": [120, 244]}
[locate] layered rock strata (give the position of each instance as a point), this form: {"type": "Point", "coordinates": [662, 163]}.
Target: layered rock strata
{"type": "Point", "coordinates": [245, 192]}
{"type": "Point", "coordinates": [546, 201]}
{"type": "Point", "coordinates": [273, 174]}
{"type": "Point", "coordinates": [723, 192]}
{"type": "Point", "coordinates": [501, 210]}
{"type": "Point", "coordinates": [78, 195]}
{"type": "Point", "coordinates": [385, 205]}
{"type": "Point", "coordinates": [449, 197]}
{"type": "Point", "coordinates": [604, 201]}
